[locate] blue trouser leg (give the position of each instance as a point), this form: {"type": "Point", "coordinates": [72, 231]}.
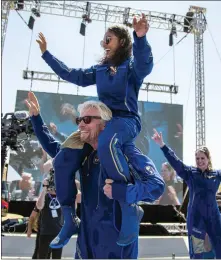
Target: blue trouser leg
{"type": "Point", "coordinates": [140, 162]}
{"type": "Point", "coordinates": [117, 132]}
{"type": "Point", "coordinates": [197, 234]}
{"type": "Point", "coordinates": [214, 231]}
{"type": "Point", "coordinates": [66, 163]}
{"type": "Point", "coordinates": [142, 168]}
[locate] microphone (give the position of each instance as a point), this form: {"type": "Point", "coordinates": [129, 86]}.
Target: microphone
{"type": "Point", "coordinates": [21, 115]}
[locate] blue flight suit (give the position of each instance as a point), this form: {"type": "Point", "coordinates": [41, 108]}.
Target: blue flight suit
{"type": "Point", "coordinates": [100, 216]}
{"type": "Point", "coordinates": [203, 214]}
{"type": "Point", "coordinates": [119, 91]}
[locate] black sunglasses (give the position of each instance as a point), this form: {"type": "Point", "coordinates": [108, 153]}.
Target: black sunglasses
{"type": "Point", "coordinates": [86, 119]}
{"type": "Point", "coordinates": [106, 40]}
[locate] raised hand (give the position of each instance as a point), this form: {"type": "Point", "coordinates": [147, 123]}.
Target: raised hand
{"type": "Point", "coordinates": [42, 42]}
{"type": "Point", "coordinates": [32, 104]}
{"type": "Point", "coordinates": [140, 26]}
{"type": "Point", "coordinates": [157, 137]}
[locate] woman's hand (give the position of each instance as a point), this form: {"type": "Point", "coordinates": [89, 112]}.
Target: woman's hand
{"type": "Point", "coordinates": [42, 42]}
{"type": "Point", "coordinates": [140, 26]}
{"type": "Point", "coordinates": [157, 137]}
{"type": "Point", "coordinates": [32, 104]}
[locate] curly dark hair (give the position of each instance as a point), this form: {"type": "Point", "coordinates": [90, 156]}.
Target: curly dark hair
{"type": "Point", "coordinates": [124, 51]}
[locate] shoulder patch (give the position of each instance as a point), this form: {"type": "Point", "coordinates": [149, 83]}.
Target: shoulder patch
{"type": "Point", "coordinates": [96, 159]}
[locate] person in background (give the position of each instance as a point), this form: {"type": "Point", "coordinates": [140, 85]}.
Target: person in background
{"type": "Point", "coordinates": [33, 224]}
{"type": "Point", "coordinates": [35, 221]}
{"type": "Point", "coordinates": [203, 216]}
{"type": "Point", "coordinates": [49, 224]}
{"type": "Point", "coordinates": [53, 129]}
{"type": "Point", "coordinates": [169, 196]}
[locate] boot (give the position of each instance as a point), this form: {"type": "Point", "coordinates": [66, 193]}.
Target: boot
{"type": "Point", "coordinates": [70, 227]}
{"type": "Point", "coordinates": [130, 223]}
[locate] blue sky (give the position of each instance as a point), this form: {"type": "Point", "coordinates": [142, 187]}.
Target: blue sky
{"type": "Point", "coordinates": [65, 42]}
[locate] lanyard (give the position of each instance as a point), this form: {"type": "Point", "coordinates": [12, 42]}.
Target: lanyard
{"type": "Point", "coordinates": [54, 203]}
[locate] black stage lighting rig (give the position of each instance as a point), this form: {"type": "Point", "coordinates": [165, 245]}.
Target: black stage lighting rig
{"type": "Point", "coordinates": [86, 19]}
{"type": "Point", "coordinates": [19, 5]}
{"type": "Point", "coordinates": [188, 22]}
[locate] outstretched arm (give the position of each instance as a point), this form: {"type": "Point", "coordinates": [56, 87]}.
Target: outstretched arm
{"type": "Point", "coordinates": [46, 139]}
{"type": "Point", "coordinates": [80, 77]}
{"type": "Point", "coordinates": [181, 169]}
{"type": "Point", "coordinates": [143, 58]}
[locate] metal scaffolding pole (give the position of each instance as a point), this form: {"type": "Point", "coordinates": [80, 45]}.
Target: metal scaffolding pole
{"type": "Point", "coordinates": [199, 27]}
{"type": "Point", "coordinates": [6, 6]}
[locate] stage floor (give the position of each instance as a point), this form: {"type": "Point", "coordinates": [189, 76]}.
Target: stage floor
{"type": "Point", "coordinates": [18, 246]}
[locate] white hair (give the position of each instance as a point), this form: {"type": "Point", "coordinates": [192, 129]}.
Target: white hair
{"type": "Point", "coordinates": [105, 112]}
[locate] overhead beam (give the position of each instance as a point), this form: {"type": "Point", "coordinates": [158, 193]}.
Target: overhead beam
{"type": "Point", "coordinates": [108, 13]}
{"type": "Point", "coordinates": [52, 77]}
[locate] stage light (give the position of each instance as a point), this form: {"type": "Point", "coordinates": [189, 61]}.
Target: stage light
{"type": "Point", "coordinates": [35, 12]}
{"type": "Point", "coordinates": [83, 29]}
{"type": "Point", "coordinates": [171, 39]}
{"type": "Point", "coordinates": [187, 22]}
{"type": "Point", "coordinates": [126, 16]}
{"type": "Point", "coordinates": [19, 5]}
{"type": "Point", "coordinates": [31, 22]}
{"type": "Point", "coordinates": [25, 74]}
{"type": "Point", "coordinates": [86, 19]}
{"type": "Point", "coordinates": [172, 33]}
{"type": "Point", "coordinates": [36, 9]}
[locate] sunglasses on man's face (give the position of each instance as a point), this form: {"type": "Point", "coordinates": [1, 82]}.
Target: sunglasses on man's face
{"type": "Point", "coordinates": [86, 119]}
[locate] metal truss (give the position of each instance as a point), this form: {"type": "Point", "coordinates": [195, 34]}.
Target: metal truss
{"type": "Point", "coordinates": [6, 6]}
{"type": "Point", "coordinates": [199, 80]}
{"type": "Point", "coordinates": [194, 21]}
{"type": "Point", "coordinates": [106, 13]}
{"type": "Point", "coordinates": [52, 77]}
{"type": "Point", "coordinates": [158, 87]}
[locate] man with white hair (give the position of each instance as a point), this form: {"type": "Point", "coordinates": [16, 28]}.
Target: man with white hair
{"type": "Point", "coordinates": [101, 217]}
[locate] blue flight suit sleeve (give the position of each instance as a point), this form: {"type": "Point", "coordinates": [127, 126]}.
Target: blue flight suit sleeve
{"type": "Point", "coordinates": [80, 77]}
{"type": "Point", "coordinates": [181, 169]}
{"type": "Point", "coordinates": [143, 58]}
{"type": "Point", "coordinates": [46, 139]}
{"type": "Point", "coordinates": [145, 188]}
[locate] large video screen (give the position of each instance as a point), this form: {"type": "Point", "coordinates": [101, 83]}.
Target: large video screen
{"type": "Point", "coordinates": [30, 164]}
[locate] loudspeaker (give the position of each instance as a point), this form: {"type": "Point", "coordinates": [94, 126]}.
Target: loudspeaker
{"type": "Point", "coordinates": [83, 29]}
{"type": "Point", "coordinates": [31, 22]}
